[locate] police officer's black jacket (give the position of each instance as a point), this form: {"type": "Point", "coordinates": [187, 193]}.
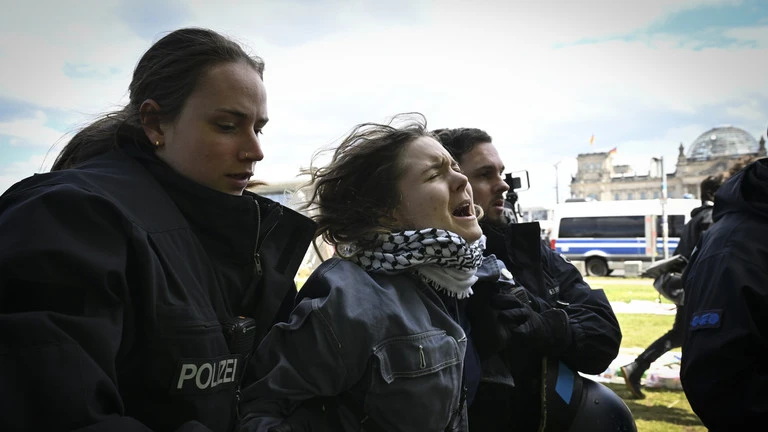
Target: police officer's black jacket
{"type": "Point", "coordinates": [725, 345]}
{"type": "Point", "coordinates": [552, 282]}
{"type": "Point", "coordinates": [115, 279]}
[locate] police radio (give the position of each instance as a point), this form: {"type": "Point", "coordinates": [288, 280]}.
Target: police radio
{"type": "Point", "coordinates": [240, 335]}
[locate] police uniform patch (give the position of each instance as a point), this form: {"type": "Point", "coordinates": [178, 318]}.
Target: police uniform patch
{"type": "Point", "coordinates": [707, 319]}
{"type": "Point", "coordinates": [197, 376]}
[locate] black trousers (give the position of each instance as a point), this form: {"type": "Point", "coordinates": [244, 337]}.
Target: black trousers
{"type": "Point", "coordinates": [671, 339]}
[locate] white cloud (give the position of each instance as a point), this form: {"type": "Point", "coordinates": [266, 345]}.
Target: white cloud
{"type": "Point", "coordinates": [18, 170]}
{"type": "Point", "coordinates": [36, 48]}
{"type": "Point", "coordinates": [749, 110]}
{"type": "Point", "coordinates": [508, 67]}
{"type": "Point", "coordinates": [758, 34]}
{"type": "Point", "coordinates": [32, 131]}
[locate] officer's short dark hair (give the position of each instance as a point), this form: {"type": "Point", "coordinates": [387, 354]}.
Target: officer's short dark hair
{"type": "Point", "coordinates": [460, 141]}
{"type": "Point", "coordinates": [710, 185]}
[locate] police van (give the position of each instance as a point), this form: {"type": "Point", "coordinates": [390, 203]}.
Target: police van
{"type": "Point", "coordinates": [605, 234]}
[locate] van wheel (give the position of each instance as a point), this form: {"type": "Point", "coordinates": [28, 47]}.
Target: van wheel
{"type": "Point", "coordinates": [597, 267]}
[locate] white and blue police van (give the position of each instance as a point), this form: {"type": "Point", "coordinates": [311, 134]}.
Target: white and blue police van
{"type": "Point", "coordinates": [605, 234]}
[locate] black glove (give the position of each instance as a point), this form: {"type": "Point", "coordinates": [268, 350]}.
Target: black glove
{"type": "Point", "coordinates": [670, 285]}
{"type": "Point", "coordinates": [519, 325]}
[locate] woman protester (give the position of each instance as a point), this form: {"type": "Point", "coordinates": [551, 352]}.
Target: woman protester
{"type": "Point", "coordinates": [137, 277]}
{"type": "Point", "coordinates": [378, 339]}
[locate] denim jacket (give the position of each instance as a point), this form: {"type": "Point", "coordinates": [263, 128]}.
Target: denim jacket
{"type": "Point", "coordinates": [388, 339]}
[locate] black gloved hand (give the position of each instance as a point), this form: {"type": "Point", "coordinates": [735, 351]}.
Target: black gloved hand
{"type": "Point", "coordinates": [548, 332]}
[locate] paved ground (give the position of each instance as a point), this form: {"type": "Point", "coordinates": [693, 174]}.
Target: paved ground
{"type": "Point", "coordinates": [634, 306]}
{"type": "Point", "coordinates": [644, 306]}
{"type": "Point", "coordinates": [664, 372]}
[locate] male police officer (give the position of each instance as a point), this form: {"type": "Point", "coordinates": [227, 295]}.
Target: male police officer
{"type": "Point", "coordinates": [726, 286]}
{"type": "Point", "coordinates": [559, 323]}
{"type": "Point", "coordinates": [701, 219]}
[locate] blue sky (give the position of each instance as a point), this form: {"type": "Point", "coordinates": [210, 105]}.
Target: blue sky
{"type": "Point", "coordinates": [541, 77]}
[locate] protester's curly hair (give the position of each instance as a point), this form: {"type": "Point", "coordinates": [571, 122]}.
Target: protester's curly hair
{"type": "Point", "coordinates": [356, 193]}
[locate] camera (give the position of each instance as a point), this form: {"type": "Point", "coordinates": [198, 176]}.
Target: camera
{"type": "Point", "coordinates": [515, 182]}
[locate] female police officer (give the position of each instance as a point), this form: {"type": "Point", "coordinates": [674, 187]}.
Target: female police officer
{"type": "Point", "coordinates": [123, 273]}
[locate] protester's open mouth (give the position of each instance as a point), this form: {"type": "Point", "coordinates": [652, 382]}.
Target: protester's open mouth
{"type": "Point", "coordinates": [463, 210]}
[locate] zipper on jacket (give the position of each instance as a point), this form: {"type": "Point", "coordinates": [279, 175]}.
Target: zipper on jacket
{"type": "Point", "coordinates": [274, 214]}
{"type": "Point", "coordinates": [257, 269]}
{"type": "Point", "coordinates": [238, 393]}
{"type": "Point", "coordinates": [238, 396]}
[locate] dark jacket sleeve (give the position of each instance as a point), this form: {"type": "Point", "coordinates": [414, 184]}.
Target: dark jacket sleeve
{"type": "Point", "coordinates": [723, 368]}
{"type": "Point", "coordinates": [302, 358]}
{"type": "Point", "coordinates": [62, 288]}
{"type": "Point", "coordinates": [594, 327]}
{"type": "Point", "coordinates": [692, 232]}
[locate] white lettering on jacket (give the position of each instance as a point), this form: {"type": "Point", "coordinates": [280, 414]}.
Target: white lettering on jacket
{"type": "Point", "coordinates": [203, 375]}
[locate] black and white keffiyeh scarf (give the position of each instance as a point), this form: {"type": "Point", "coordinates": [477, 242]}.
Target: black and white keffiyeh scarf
{"type": "Point", "coordinates": [443, 259]}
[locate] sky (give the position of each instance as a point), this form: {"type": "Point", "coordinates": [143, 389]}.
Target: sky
{"type": "Point", "coordinates": [541, 77]}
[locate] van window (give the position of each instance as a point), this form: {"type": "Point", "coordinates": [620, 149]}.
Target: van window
{"type": "Point", "coordinates": [602, 227]}
{"type": "Point", "coordinates": [675, 223]}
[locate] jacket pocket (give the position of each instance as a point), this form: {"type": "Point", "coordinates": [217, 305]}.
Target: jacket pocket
{"type": "Point", "coordinates": [183, 322]}
{"type": "Point", "coordinates": [416, 355]}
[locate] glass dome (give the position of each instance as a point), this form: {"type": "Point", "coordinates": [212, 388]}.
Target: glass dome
{"type": "Point", "coordinates": [722, 141]}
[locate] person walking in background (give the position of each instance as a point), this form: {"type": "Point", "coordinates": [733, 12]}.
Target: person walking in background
{"type": "Point", "coordinates": [560, 317]}
{"type": "Point", "coordinates": [138, 276]}
{"type": "Point", "coordinates": [725, 332]}
{"type": "Point", "coordinates": [669, 282]}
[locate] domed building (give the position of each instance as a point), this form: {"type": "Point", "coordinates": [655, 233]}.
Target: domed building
{"type": "Point", "coordinates": [712, 152]}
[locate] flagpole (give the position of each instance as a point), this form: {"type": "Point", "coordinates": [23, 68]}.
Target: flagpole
{"type": "Point", "coordinates": [664, 219]}
{"type": "Point", "coordinates": [557, 184]}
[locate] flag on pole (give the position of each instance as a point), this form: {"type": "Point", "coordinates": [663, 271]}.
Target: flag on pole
{"type": "Point", "coordinates": [592, 140]}
{"type": "Point", "coordinates": [612, 151]}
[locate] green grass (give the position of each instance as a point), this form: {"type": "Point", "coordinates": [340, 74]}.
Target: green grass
{"type": "Point", "coordinates": [624, 290]}
{"type": "Point", "coordinates": [662, 410]}
{"type": "Point", "coordinates": [639, 330]}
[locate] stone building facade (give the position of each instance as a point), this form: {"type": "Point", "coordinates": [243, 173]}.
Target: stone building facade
{"type": "Point", "coordinates": [714, 151]}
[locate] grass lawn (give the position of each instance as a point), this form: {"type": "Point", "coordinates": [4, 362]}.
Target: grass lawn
{"type": "Point", "coordinates": [662, 410]}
